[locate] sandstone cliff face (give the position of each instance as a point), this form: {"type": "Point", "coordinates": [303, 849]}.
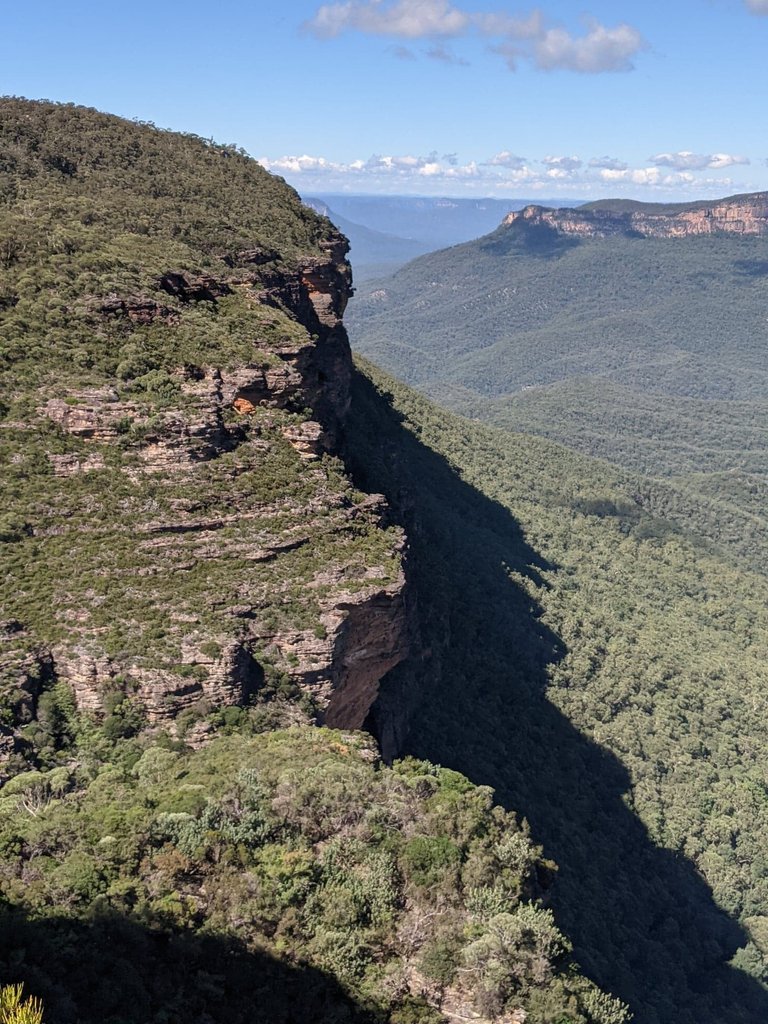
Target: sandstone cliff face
{"type": "Point", "coordinates": [204, 547]}
{"type": "Point", "coordinates": [742, 215]}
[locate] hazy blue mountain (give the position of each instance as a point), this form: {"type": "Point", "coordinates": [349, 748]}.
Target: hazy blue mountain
{"type": "Point", "coordinates": [387, 231]}
{"type": "Point", "coordinates": [372, 253]}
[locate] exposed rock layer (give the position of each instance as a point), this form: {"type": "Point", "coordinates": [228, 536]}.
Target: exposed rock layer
{"type": "Point", "coordinates": [361, 631]}
{"type": "Point", "coordinates": [740, 215]}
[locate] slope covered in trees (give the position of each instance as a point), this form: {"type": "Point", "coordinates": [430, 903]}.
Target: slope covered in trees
{"type": "Point", "coordinates": [648, 352]}
{"type": "Point", "coordinates": [275, 877]}
{"type": "Point", "coordinates": [177, 530]}
{"type": "Point", "coordinates": [607, 675]}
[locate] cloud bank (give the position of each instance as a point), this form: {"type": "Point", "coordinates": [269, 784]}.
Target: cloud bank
{"type": "Point", "coordinates": [506, 173]}
{"type": "Point", "coordinates": [687, 161]}
{"type": "Point", "coordinates": [375, 169]}
{"type": "Point", "coordinates": [532, 38]}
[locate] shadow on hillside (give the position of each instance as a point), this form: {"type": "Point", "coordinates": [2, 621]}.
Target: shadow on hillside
{"type": "Point", "coordinates": [528, 237]}
{"type": "Point", "coordinates": [752, 268]}
{"type": "Point", "coordinates": [643, 922]}
{"type": "Point", "coordinates": [116, 971]}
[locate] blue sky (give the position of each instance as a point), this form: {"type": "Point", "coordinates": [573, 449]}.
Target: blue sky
{"type": "Point", "coordinates": [453, 97]}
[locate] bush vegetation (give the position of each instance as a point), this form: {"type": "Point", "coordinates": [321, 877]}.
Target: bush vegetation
{"type": "Point", "coordinates": [103, 550]}
{"type": "Point", "coordinates": [605, 672]}
{"type": "Point", "coordinates": [299, 845]}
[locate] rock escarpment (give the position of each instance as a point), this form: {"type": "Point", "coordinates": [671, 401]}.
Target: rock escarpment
{"type": "Point", "coordinates": [739, 215]}
{"type": "Point", "coordinates": [343, 625]}
{"type": "Point", "coordinates": [180, 533]}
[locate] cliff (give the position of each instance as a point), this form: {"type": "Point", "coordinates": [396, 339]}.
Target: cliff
{"type": "Point", "coordinates": [180, 533]}
{"type": "Point", "coordinates": [737, 215]}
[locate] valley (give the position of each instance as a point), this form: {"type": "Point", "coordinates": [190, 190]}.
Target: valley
{"type": "Point", "coordinates": [386, 232]}
{"type": "Point", "coordinates": [643, 351]}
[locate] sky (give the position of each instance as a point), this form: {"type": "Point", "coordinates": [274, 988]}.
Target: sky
{"type": "Point", "coordinates": [658, 101]}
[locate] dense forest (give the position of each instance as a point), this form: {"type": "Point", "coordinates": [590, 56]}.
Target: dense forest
{"type": "Point", "coordinates": [607, 675]}
{"type": "Point", "coordinates": [647, 352]}
{"type": "Point", "coordinates": [274, 876]}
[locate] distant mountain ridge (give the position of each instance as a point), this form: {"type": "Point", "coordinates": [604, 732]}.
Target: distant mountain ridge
{"type": "Point", "coordinates": [646, 349]}
{"type": "Point", "coordinates": [739, 215]}
{"type": "Point", "coordinates": [372, 252]}
{"type": "Point", "coordinates": [434, 221]}
{"type": "Point", "coordinates": [386, 232]}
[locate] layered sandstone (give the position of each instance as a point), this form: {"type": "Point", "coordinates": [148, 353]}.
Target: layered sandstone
{"type": "Point", "coordinates": [302, 603]}
{"type": "Point", "coordinates": [740, 215]}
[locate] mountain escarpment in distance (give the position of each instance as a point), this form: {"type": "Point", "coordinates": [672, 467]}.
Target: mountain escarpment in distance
{"type": "Point", "coordinates": [745, 214]}
{"type": "Point", "coordinates": [632, 332]}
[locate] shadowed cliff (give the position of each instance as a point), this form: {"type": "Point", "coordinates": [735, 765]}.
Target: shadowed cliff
{"type": "Point", "coordinates": [643, 922]}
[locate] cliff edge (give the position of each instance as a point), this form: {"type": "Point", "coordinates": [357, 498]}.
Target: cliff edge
{"type": "Point", "coordinates": [179, 533]}
{"type": "Point", "coordinates": [736, 215]}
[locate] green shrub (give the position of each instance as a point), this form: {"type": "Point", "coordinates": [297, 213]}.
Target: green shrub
{"type": "Point", "coordinates": [16, 1010]}
{"type": "Point", "coordinates": [431, 860]}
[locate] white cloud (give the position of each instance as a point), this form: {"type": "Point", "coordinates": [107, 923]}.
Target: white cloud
{"type": "Point", "coordinates": [657, 179]}
{"type": "Point", "coordinates": [609, 162]}
{"type": "Point", "coordinates": [375, 167]}
{"type": "Point", "coordinates": [601, 49]}
{"type": "Point", "coordinates": [442, 53]}
{"type": "Point", "coordinates": [638, 176]}
{"type": "Point", "coordinates": [563, 163]}
{"type": "Point", "coordinates": [685, 160]}
{"type": "Point", "coordinates": [506, 159]}
{"type": "Point", "coordinates": [407, 173]}
{"type": "Point", "coordinates": [530, 26]}
{"type": "Point", "coordinates": [530, 37]}
{"type": "Point", "coordinates": [562, 168]}
{"type": "Point", "coordinates": [299, 164]}
{"type": "Point", "coordinates": [758, 6]}
{"type": "Point", "coordinates": [406, 19]}
{"type": "Point", "coordinates": [504, 174]}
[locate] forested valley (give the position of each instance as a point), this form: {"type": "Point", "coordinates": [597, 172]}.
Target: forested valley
{"type": "Point", "coordinates": [646, 352]}
{"type": "Point", "coordinates": [638, 536]}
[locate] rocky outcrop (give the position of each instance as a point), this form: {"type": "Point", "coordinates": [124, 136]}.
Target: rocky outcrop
{"type": "Point", "coordinates": [339, 664]}
{"type": "Point", "coordinates": [366, 635]}
{"type": "Point", "coordinates": [327, 622]}
{"type": "Point", "coordinates": [221, 675]}
{"type": "Point", "coordinates": [739, 215]}
{"type": "Point", "coordinates": [312, 371]}
{"type": "Point", "coordinates": [24, 671]}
